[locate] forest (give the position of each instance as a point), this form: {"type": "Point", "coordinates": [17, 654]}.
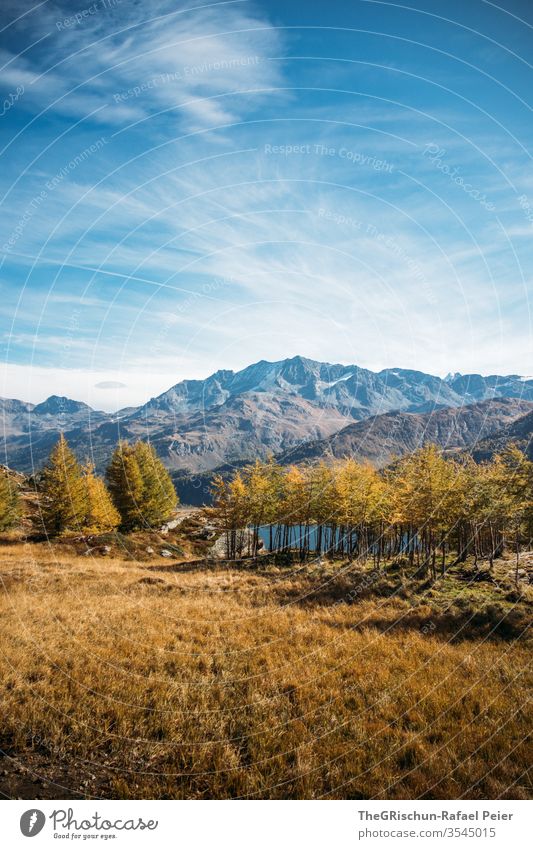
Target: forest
{"type": "Point", "coordinates": [426, 506]}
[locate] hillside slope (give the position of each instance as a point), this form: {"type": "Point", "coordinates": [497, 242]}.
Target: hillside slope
{"type": "Point", "coordinates": [519, 432]}
{"type": "Point", "coordinates": [381, 438]}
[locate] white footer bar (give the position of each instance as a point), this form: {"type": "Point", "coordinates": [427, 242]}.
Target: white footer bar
{"type": "Point", "coordinates": [264, 825]}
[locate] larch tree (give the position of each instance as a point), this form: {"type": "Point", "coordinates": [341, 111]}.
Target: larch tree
{"type": "Point", "coordinates": [259, 481]}
{"type": "Point", "coordinates": [294, 504]}
{"type": "Point", "coordinates": [64, 500]}
{"type": "Point", "coordinates": [423, 487]}
{"type": "Point", "coordinates": [102, 515]}
{"type": "Point", "coordinates": [357, 488]}
{"type": "Point", "coordinates": [231, 511]}
{"type": "Point", "coordinates": [140, 486]}
{"type": "Point", "coordinates": [322, 501]}
{"type": "Point", "coordinates": [125, 485]}
{"type": "Point", "coordinates": [10, 505]}
{"type": "Point", "coordinates": [159, 497]}
{"type": "Point", "coordinates": [515, 478]}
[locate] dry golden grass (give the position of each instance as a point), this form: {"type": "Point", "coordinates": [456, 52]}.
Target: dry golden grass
{"type": "Point", "coordinates": [129, 681]}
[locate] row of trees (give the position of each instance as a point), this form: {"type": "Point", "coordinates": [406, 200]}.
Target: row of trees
{"type": "Point", "coordinates": [423, 506]}
{"type": "Point", "coordinates": [72, 498]}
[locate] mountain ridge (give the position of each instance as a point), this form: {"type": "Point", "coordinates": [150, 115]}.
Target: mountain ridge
{"type": "Point", "coordinates": [266, 407]}
{"type": "Point", "coordinates": [236, 382]}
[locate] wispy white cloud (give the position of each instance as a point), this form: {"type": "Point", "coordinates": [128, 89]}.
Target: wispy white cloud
{"type": "Point", "coordinates": [133, 60]}
{"type": "Point", "coordinates": [217, 246]}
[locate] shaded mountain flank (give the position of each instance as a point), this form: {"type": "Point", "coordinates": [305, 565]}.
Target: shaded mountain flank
{"type": "Point", "coordinates": [381, 438]}
{"type": "Point", "coordinates": [519, 432]}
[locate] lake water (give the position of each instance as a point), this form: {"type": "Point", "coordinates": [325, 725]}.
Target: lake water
{"type": "Point", "coordinates": [297, 537]}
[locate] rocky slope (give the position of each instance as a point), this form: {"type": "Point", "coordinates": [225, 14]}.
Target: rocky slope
{"type": "Point", "coordinates": [381, 438]}
{"type": "Point", "coordinates": [519, 432]}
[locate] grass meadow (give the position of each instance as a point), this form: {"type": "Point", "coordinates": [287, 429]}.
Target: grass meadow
{"type": "Point", "coordinates": [140, 680]}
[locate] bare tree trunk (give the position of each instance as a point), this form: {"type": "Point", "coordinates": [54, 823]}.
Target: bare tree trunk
{"type": "Point", "coordinates": [517, 556]}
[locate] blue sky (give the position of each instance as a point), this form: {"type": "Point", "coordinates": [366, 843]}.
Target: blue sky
{"type": "Point", "coordinates": [191, 186]}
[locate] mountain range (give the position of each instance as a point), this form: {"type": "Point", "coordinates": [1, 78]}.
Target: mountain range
{"type": "Point", "coordinates": [297, 408]}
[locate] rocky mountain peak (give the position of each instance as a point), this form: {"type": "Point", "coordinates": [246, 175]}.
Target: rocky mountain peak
{"type": "Point", "coordinates": [58, 404]}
